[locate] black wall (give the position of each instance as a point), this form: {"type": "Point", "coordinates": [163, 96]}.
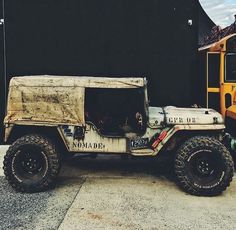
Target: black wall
{"type": "Point", "coordinates": [150, 38]}
{"type": "Point", "coordinates": [2, 74]}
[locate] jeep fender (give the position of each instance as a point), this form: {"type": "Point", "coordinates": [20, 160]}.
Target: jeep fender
{"type": "Point", "coordinates": [200, 128]}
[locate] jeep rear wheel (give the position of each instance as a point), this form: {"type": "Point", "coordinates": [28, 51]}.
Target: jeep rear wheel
{"type": "Point", "coordinates": [204, 166]}
{"type": "Point", "coordinates": [31, 164]}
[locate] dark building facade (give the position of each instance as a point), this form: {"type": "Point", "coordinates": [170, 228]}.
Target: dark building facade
{"type": "Point", "coordinates": [157, 39]}
{"type": "Point", "coordinates": [205, 25]}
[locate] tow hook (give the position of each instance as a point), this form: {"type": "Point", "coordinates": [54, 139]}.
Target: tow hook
{"type": "Point", "coordinates": [230, 143]}
{"type": "Point", "coordinates": [226, 139]}
{"type": "Point", "coordinates": [233, 144]}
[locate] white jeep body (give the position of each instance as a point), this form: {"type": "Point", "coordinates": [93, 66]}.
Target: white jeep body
{"type": "Point", "coordinates": [59, 102]}
{"type": "Point", "coordinates": [170, 119]}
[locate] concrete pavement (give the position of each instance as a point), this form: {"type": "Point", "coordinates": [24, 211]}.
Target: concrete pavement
{"type": "Point", "coordinates": [107, 193]}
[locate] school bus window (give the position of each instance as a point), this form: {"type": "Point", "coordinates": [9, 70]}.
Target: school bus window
{"type": "Point", "coordinates": [230, 68]}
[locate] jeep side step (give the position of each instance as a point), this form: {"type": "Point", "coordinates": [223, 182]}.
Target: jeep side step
{"type": "Point", "coordinates": [143, 152]}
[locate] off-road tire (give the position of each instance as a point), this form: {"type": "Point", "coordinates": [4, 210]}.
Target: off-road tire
{"type": "Point", "coordinates": [190, 152]}
{"type": "Point", "coordinates": [51, 163]}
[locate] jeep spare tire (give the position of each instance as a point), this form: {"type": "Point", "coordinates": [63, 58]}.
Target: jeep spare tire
{"type": "Point", "coordinates": [31, 164]}
{"type": "Point", "coordinates": [204, 166]}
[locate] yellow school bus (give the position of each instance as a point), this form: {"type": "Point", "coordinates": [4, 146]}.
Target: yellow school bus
{"type": "Point", "coordinates": [217, 64]}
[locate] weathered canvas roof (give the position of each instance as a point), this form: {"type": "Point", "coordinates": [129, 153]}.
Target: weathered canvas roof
{"type": "Point", "coordinates": [56, 99]}
{"type": "Point", "coordinates": [78, 81]}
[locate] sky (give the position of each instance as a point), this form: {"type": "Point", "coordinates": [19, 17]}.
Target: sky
{"type": "Point", "coordinates": [220, 11]}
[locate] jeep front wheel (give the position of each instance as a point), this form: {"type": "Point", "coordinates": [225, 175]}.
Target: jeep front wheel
{"type": "Point", "coordinates": [31, 164]}
{"type": "Point", "coordinates": [204, 166]}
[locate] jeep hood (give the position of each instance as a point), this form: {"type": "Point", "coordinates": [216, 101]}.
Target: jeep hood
{"type": "Point", "coordinates": [183, 116]}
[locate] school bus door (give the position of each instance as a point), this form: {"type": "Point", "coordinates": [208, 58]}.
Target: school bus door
{"type": "Point", "coordinates": [213, 80]}
{"type": "Point", "coordinates": [228, 86]}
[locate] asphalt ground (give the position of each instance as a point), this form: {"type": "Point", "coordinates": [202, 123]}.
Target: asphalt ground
{"type": "Point", "coordinates": [110, 193]}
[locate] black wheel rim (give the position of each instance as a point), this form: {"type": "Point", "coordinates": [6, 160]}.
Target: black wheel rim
{"type": "Point", "coordinates": [29, 164]}
{"type": "Point", "coordinates": [206, 168]}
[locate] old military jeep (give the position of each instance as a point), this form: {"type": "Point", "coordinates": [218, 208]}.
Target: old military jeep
{"type": "Point", "coordinates": [51, 116]}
